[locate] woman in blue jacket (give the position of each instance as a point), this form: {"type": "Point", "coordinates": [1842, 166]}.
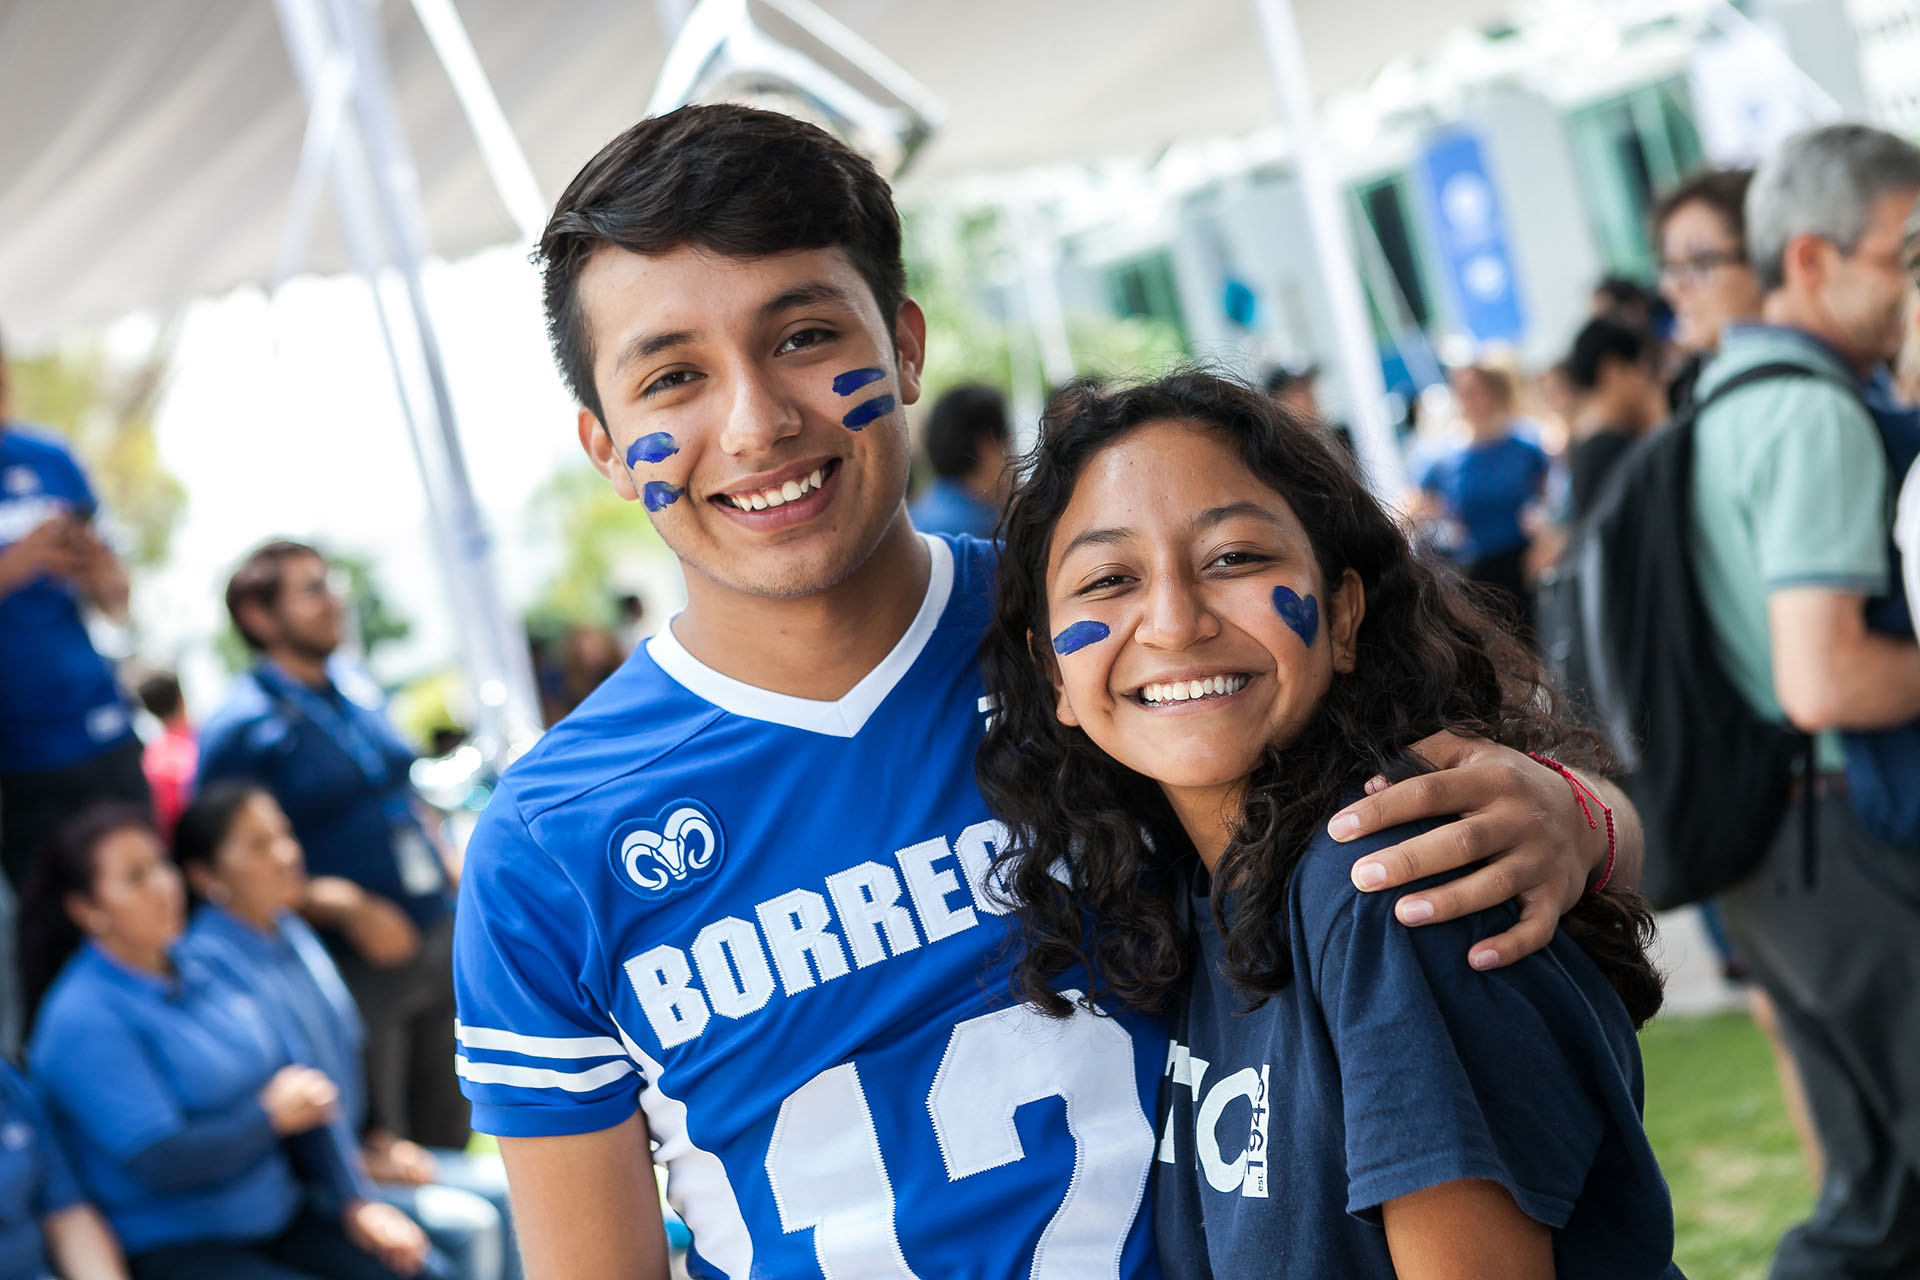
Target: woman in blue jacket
{"type": "Point", "coordinates": [238, 852]}
{"type": "Point", "coordinates": [195, 1134]}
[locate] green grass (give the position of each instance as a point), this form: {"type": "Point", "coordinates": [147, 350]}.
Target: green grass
{"type": "Point", "coordinates": [1717, 1123]}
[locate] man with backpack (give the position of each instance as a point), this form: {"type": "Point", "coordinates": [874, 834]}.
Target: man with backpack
{"type": "Point", "coordinates": [1790, 513]}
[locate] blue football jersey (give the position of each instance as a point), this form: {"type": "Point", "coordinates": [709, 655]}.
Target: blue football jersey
{"type": "Point", "coordinates": [761, 919]}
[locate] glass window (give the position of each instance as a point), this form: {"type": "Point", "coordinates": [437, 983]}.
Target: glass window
{"type": "Point", "coordinates": [1144, 286]}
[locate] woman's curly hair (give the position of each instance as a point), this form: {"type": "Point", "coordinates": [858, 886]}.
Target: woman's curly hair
{"type": "Point", "coordinates": [1096, 864]}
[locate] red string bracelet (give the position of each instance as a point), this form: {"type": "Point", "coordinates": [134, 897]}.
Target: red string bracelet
{"type": "Point", "coordinates": [1581, 794]}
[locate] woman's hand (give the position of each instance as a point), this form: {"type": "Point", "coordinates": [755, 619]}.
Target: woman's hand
{"type": "Point", "coordinates": [391, 1159]}
{"type": "Point", "coordinates": [298, 1099]}
{"type": "Point", "coordinates": [1514, 814]}
{"type": "Point", "coordinates": [386, 1233]}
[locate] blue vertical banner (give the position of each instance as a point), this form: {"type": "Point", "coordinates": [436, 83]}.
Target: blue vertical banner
{"type": "Point", "coordinates": [1470, 232]}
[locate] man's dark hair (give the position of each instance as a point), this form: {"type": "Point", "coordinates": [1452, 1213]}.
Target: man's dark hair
{"type": "Point", "coordinates": [259, 579]}
{"type": "Point", "coordinates": [1624, 293]}
{"type": "Point", "coordinates": [160, 694]}
{"type": "Point", "coordinates": [732, 180]}
{"type": "Point", "coordinates": [1602, 340]}
{"type": "Point", "coordinates": [1722, 190]}
{"type": "Point", "coordinates": [960, 421]}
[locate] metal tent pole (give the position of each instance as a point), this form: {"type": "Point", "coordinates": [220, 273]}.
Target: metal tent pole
{"type": "Point", "coordinates": [496, 656]}
{"type": "Point", "coordinates": [1339, 272]}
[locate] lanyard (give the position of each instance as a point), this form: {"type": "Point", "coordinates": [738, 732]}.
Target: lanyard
{"type": "Point", "coordinates": [346, 730]}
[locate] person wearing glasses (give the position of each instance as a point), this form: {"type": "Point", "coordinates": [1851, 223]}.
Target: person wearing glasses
{"type": "Point", "coordinates": [1791, 514]}
{"type": "Point", "coordinates": [1700, 230]}
{"type": "Point", "coordinates": [310, 727]}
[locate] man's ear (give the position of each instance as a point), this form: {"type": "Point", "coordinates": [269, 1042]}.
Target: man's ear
{"type": "Point", "coordinates": [256, 620]}
{"type": "Point", "coordinates": [1804, 260]}
{"type": "Point", "coordinates": [1346, 610]}
{"type": "Point", "coordinates": [910, 348]}
{"type": "Point", "coordinates": [605, 455]}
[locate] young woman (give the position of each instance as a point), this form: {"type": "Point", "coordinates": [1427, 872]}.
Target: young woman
{"type": "Point", "coordinates": [1700, 229]}
{"type": "Point", "coordinates": [204, 1146]}
{"type": "Point", "coordinates": [243, 863]}
{"type": "Point", "coordinates": [1209, 638]}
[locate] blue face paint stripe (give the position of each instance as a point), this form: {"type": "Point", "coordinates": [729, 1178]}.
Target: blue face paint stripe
{"type": "Point", "coordinates": [657, 447]}
{"type": "Point", "coordinates": [861, 414]}
{"type": "Point", "coordinates": [1079, 636]}
{"type": "Point", "coordinates": [659, 493]}
{"type": "Point", "coordinates": [1300, 613]}
{"type": "Point", "coordinates": [854, 379]}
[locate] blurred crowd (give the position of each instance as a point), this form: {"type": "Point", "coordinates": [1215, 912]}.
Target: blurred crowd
{"type": "Point", "coordinates": [230, 1029]}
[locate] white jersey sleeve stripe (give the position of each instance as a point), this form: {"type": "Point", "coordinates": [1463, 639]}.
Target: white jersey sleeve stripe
{"type": "Point", "coordinates": [537, 1046]}
{"type": "Point", "coordinates": [541, 1077]}
{"type": "Point", "coordinates": [698, 1187]}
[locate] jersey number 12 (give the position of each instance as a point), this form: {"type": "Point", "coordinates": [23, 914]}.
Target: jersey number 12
{"type": "Point", "coordinates": [829, 1176]}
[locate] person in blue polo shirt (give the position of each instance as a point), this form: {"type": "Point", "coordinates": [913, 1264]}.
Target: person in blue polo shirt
{"type": "Point", "coordinates": [1484, 488]}
{"type": "Point", "coordinates": [310, 728]}
{"type": "Point", "coordinates": [238, 853]}
{"type": "Point", "coordinates": [207, 1149]}
{"type": "Point", "coordinates": [45, 1220]}
{"type": "Point", "coordinates": [66, 738]}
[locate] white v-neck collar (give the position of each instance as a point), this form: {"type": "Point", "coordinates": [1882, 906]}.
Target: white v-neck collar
{"type": "Point", "coordinates": [841, 718]}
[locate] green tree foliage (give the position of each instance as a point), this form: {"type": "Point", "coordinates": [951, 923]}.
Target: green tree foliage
{"type": "Point", "coordinates": [955, 263]}
{"type": "Point", "coordinates": [374, 616]}
{"type": "Point", "coordinates": [105, 407]}
{"type": "Point", "coordinates": [597, 531]}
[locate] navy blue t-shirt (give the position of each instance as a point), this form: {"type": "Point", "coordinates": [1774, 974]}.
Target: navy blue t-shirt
{"type": "Point", "coordinates": [1386, 1067]}
{"type": "Point", "coordinates": [1485, 487]}
{"type": "Point", "coordinates": [59, 704]}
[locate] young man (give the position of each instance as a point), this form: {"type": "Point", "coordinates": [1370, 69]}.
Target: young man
{"type": "Point", "coordinates": [742, 887]}
{"type": "Point", "coordinates": [314, 732]}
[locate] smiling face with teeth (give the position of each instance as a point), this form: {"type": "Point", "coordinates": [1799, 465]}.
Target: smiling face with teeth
{"type": "Point", "coordinates": [734, 362]}
{"type": "Point", "coordinates": [1179, 551]}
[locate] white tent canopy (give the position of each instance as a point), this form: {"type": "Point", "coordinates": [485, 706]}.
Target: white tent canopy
{"type": "Point", "coordinates": [151, 147]}
{"type": "Point", "coordinates": [176, 148]}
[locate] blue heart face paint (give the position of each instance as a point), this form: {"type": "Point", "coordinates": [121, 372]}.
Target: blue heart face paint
{"type": "Point", "coordinates": [1079, 636]}
{"type": "Point", "coordinates": [657, 447]}
{"type": "Point", "coordinates": [1301, 614]}
{"type": "Point", "coordinates": [854, 379]}
{"type": "Point", "coordinates": [659, 493]}
{"type": "Point", "coordinates": [861, 414]}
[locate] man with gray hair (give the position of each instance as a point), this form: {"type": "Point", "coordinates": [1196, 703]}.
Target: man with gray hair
{"type": "Point", "coordinates": [1790, 539]}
